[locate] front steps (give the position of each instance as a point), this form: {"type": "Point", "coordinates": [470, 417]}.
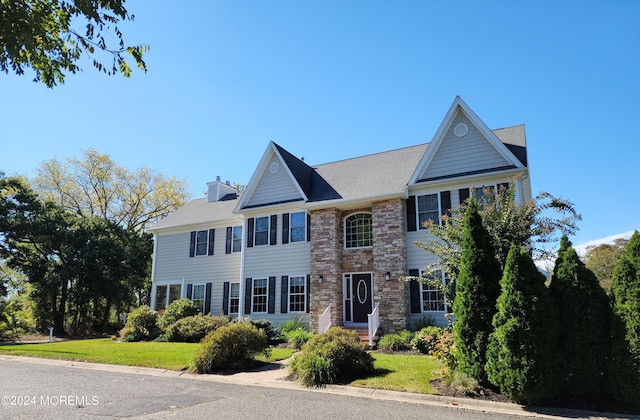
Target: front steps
{"type": "Point", "coordinates": [363, 333]}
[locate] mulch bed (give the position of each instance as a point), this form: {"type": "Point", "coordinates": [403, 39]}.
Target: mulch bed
{"type": "Point", "coordinates": [480, 393]}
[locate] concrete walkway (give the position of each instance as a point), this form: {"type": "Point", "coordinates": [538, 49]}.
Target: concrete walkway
{"type": "Point", "coordinates": [275, 375]}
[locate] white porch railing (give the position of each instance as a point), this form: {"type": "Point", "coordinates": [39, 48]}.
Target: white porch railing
{"type": "Point", "coordinates": [373, 322]}
{"type": "Point", "coordinates": [324, 320]}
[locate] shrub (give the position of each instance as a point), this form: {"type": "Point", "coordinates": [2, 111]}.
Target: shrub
{"type": "Point", "coordinates": [293, 324]}
{"type": "Point", "coordinates": [425, 340]}
{"type": "Point", "coordinates": [142, 324]}
{"type": "Point", "coordinates": [424, 322]}
{"type": "Point", "coordinates": [335, 356]}
{"type": "Point", "coordinates": [268, 328]}
{"type": "Point", "coordinates": [396, 342]}
{"type": "Point", "coordinates": [297, 338]}
{"type": "Point", "coordinates": [445, 350]}
{"type": "Point", "coordinates": [193, 329]}
{"type": "Point", "coordinates": [461, 382]}
{"type": "Point", "coordinates": [230, 347]}
{"type": "Point", "coordinates": [176, 310]}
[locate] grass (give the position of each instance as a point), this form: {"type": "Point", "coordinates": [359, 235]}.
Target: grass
{"type": "Point", "coordinates": [163, 355]}
{"type": "Point", "coordinates": [400, 372]}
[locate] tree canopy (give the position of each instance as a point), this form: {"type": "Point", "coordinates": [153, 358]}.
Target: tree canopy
{"type": "Point", "coordinates": [41, 35]}
{"type": "Point", "coordinates": [96, 185]}
{"type": "Point", "coordinates": [602, 260]}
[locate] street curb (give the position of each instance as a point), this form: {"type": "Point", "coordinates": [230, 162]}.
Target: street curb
{"type": "Point", "coordinates": [276, 379]}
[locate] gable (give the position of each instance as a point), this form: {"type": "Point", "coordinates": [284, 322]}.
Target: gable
{"type": "Point", "coordinates": [274, 184]}
{"type": "Point", "coordinates": [463, 145]}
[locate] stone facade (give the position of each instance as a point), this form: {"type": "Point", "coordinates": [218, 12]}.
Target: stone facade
{"type": "Point", "coordinates": [330, 260]}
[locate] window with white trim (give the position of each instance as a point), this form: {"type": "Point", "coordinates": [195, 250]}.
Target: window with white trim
{"type": "Point", "coordinates": [165, 294]}
{"type": "Point", "coordinates": [234, 298]}
{"type": "Point", "coordinates": [198, 296]}
{"type": "Point", "coordinates": [202, 240]}
{"type": "Point", "coordinates": [237, 239]}
{"type": "Point", "coordinates": [259, 296]}
{"type": "Point", "coordinates": [428, 209]}
{"type": "Point", "coordinates": [358, 231]}
{"type": "Point", "coordinates": [433, 299]}
{"type": "Point", "coordinates": [298, 226]}
{"type": "Point", "coordinates": [297, 293]}
{"type": "Point", "coordinates": [261, 231]}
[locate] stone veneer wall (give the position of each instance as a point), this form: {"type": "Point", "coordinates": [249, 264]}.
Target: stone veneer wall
{"type": "Point", "coordinates": [331, 260]}
{"type": "Point", "coordinates": [326, 261]}
{"type": "Point", "coordinates": [390, 255]}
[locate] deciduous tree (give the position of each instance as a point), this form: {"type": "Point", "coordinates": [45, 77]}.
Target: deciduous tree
{"type": "Point", "coordinates": [602, 260]}
{"type": "Point", "coordinates": [42, 35]}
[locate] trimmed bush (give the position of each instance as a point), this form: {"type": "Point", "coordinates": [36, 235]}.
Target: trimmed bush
{"type": "Point", "coordinates": [425, 340]}
{"type": "Point", "coordinates": [142, 324]}
{"type": "Point", "coordinates": [176, 310]}
{"type": "Point", "coordinates": [230, 347]}
{"type": "Point", "coordinates": [396, 342]}
{"type": "Point", "coordinates": [193, 329]}
{"type": "Point", "coordinates": [335, 356]}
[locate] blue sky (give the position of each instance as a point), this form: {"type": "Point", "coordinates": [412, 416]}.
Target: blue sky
{"type": "Point", "coordinates": [330, 80]}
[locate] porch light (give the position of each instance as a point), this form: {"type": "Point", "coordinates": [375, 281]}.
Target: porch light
{"type": "Point", "coordinates": [387, 277]}
{"type": "Point", "coordinates": [321, 278]}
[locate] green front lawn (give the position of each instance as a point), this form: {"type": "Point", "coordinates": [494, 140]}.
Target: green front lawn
{"type": "Point", "coordinates": [397, 372]}
{"type": "Point", "coordinates": [400, 372]}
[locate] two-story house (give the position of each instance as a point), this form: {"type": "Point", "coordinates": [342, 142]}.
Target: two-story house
{"type": "Point", "coordinates": [305, 240]}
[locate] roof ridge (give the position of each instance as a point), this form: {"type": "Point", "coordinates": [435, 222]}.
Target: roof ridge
{"type": "Point", "coordinates": [370, 154]}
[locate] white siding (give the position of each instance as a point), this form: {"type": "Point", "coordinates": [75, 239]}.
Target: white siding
{"type": "Point", "coordinates": [174, 264]}
{"type": "Point", "coordinates": [456, 155]}
{"type": "Point", "coordinates": [274, 188]}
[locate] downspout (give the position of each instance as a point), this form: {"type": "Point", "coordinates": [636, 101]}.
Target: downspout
{"type": "Point", "coordinates": [243, 250]}
{"type": "Point", "coordinates": [153, 272]}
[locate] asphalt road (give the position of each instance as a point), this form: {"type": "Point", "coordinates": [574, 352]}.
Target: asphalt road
{"type": "Point", "coordinates": [32, 389]}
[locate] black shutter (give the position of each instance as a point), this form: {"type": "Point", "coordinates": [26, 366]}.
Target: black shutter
{"type": "Point", "coordinates": [411, 213]}
{"type": "Point", "coordinates": [189, 288]}
{"type": "Point", "coordinates": [463, 194]}
{"type": "Point", "coordinates": [284, 295]}
{"type": "Point", "coordinates": [308, 302]}
{"type": "Point", "coordinates": [212, 239]}
{"type": "Point", "coordinates": [273, 229]}
{"type": "Point", "coordinates": [285, 228]}
{"type": "Point", "coordinates": [414, 292]}
{"type": "Point", "coordinates": [207, 299]}
{"type": "Point", "coordinates": [308, 227]}
{"type": "Point", "coordinates": [247, 295]}
{"type": "Point", "coordinates": [271, 299]}
{"type": "Point", "coordinates": [445, 203]}
{"type": "Point", "coordinates": [250, 223]}
{"type": "Point", "coordinates": [228, 240]}
{"type": "Point", "coordinates": [503, 186]}
{"type": "Point", "coordinates": [192, 244]}
{"type": "Point", "coordinates": [225, 298]}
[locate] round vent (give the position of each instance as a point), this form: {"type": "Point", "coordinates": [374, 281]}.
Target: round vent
{"type": "Point", "coordinates": [274, 167]}
{"type": "Point", "coordinates": [461, 130]}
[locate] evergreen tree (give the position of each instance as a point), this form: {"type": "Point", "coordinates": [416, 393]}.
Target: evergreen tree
{"type": "Point", "coordinates": [520, 351]}
{"type": "Point", "coordinates": [477, 289]}
{"type": "Point", "coordinates": [585, 314]}
{"type": "Point", "coordinates": [625, 368]}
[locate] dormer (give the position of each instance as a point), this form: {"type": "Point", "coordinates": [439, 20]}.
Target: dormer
{"type": "Point", "coordinates": [220, 191]}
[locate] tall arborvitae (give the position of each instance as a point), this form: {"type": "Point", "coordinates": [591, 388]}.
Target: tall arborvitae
{"type": "Point", "coordinates": [583, 346]}
{"type": "Point", "coordinates": [477, 290]}
{"type": "Point", "coordinates": [520, 351]}
{"type": "Point", "coordinates": [625, 366]}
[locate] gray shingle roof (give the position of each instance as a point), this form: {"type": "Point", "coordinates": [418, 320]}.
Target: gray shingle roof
{"type": "Point", "coordinates": [199, 211]}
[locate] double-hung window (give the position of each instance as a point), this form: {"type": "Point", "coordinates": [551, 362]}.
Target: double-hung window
{"type": "Point", "coordinates": [433, 298]}
{"type": "Point", "coordinates": [259, 296]}
{"type": "Point", "coordinates": [198, 297]}
{"type": "Point", "coordinates": [358, 231]}
{"type": "Point", "coordinates": [237, 238]}
{"type": "Point", "coordinates": [428, 209]}
{"type": "Point", "coordinates": [202, 240]}
{"type": "Point", "coordinates": [261, 231]}
{"type": "Point", "coordinates": [297, 293]}
{"type": "Point", "coordinates": [234, 298]}
{"type": "Point", "coordinates": [298, 226]}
